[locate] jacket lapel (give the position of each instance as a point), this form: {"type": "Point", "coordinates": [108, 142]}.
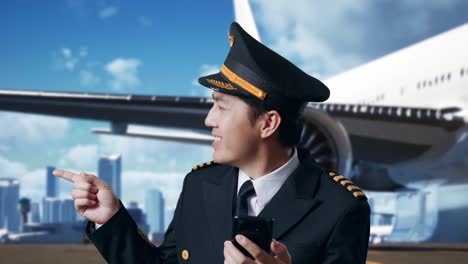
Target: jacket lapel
{"type": "Point", "coordinates": [218, 193]}
{"type": "Point", "coordinates": [294, 199]}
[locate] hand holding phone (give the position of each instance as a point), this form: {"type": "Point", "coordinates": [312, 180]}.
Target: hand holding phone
{"type": "Point", "coordinates": [258, 230]}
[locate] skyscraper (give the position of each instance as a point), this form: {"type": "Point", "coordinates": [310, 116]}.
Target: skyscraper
{"type": "Point", "coordinates": [35, 216]}
{"type": "Point", "coordinates": [109, 170]}
{"type": "Point", "coordinates": [52, 183]}
{"type": "Point", "coordinates": [51, 210]}
{"type": "Point", "coordinates": [9, 196]}
{"type": "Point", "coordinates": [67, 211]}
{"type": "Point", "coordinates": [168, 215]}
{"type": "Point", "coordinates": [154, 208]}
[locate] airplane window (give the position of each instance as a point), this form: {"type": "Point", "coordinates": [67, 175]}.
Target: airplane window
{"type": "Point", "coordinates": [398, 112]}
{"type": "Point", "coordinates": [462, 72]}
{"type": "Point", "coordinates": [436, 80]}
{"type": "Point", "coordinates": [442, 78]}
{"type": "Point", "coordinates": [429, 83]}
{"type": "Point", "coordinates": [418, 85]}
{"type": "Point", "coordinates": [408, 112]}
{"type": "Point", "coordinates": [448, 76]}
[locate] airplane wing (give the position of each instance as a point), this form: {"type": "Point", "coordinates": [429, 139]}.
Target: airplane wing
{"type": "Point", "coordinates": [409, 132]}
{"type": "Point", "coordinates": [183, 113]}
{"type": "Point", "coordinates": [370, 128]}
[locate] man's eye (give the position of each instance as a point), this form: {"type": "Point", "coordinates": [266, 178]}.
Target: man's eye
{"type": "Point", "coordinates": [221, 108]}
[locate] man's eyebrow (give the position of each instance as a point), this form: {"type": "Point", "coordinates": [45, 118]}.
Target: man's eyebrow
{"type": "Point", "coordinates": [218, 98]}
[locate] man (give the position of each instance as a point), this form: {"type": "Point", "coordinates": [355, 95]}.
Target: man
{"type": "Point", "coordinates": [259, 98]}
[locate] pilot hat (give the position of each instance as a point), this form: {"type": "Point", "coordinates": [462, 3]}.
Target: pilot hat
{"type": "Point", "coordinates": [253, 70]}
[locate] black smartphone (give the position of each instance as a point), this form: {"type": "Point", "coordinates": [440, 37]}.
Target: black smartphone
{"type": "Point", "coordinates": [258, 230]}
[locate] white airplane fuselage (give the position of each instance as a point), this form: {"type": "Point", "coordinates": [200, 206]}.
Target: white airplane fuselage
{"type": "Point", "coordinates": [429, 74]}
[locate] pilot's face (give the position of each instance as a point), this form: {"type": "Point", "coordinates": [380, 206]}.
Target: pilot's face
{"type": "Point", "coordinates": [236, 136]}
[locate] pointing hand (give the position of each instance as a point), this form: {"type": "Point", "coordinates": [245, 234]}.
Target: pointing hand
{"type": "Point", "coordinates": [93, 197]}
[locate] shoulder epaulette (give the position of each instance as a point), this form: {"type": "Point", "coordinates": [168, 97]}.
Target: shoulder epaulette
{"type": "Point", "coordinates": [350, 186]}
{"type": "Point", "coordinates": [204, 165]}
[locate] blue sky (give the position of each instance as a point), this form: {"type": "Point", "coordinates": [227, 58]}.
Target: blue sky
{"type": "Point", "coordinates": [161, 47]}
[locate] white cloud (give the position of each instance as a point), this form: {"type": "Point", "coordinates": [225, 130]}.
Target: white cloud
{"type": "Point", "coordinates": [136, 182]}
{"type": "Point", "coordinates": [325, 38]}
{"type": "Point", "coordinates": [145, 21]}
{"type": "Point", "coordinates": [302, 32]}
{"type": "Point", "coordinates": [205, 69]}
{"type": "Point", "coordinates": [83, 52]}
{"type": "Point", "coordinates": [32, 183]}
{"type": "Point", "coordinates": [88, 79]}
{"type": "Point", "coordinates": [64, 59]}
{"type": "Point", "coordinates": [108, 12]}
{"type": "Point", "coordinates": [124, 72]}
{"type": "Point", "coordinates": [66, 53]}
{"type": "Point", "coordinates": [4, 148]}
{"type": "Point", "coordinates": [11, 169]}
{"type": "Point", "coordinates": [80, 156]}
{"type": "Point", "coordinates": [152, 154]}
{"type": "Point", "coordinates": [31, 128]}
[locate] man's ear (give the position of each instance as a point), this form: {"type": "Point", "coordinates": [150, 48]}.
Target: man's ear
{"type": "Point", "coordinates": [271, 121]}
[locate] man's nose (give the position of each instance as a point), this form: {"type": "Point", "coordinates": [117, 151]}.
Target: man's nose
{"type": "Point", "coordinates": [210, 120]}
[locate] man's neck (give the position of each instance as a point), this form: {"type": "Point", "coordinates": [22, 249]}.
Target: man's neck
{"type": "Point", "coordinates": [267, 160]}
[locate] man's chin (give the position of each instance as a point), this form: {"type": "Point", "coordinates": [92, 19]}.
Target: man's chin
{"type": "Point", "coordinates": [220, 159]}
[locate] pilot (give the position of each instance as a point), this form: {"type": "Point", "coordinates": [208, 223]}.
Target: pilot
{"type": "Point", "coordinates": [257, 170]}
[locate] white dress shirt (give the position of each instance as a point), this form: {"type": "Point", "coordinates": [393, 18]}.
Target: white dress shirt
{"type": "Point", "coordinates": [267, 185]}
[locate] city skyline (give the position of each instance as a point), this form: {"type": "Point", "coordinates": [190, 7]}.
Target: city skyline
{"type": "Point", "coordinates": [53, 209]}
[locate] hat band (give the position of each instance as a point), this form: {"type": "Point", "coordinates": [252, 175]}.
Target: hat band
{"type": "Point", "coordinates": [252, 89]}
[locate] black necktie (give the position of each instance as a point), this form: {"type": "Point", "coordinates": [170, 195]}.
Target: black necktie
{"type": "Point", "coordinates": [246, 190]}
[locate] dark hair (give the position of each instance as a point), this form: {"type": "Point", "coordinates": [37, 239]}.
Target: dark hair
{"type": "Point", "coordinates": [291, 125]}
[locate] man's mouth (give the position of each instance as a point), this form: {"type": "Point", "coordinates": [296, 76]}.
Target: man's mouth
{"type": "Point", "coordinates": [217, 139]}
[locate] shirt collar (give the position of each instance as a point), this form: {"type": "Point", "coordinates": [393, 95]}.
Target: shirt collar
{"type": "Point", "coordinates": [267, 185]}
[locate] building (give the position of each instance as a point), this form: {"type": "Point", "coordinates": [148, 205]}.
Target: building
{"type": "Point", "coordinates": [9, 197]}
{"type": "Point", "coordinates": [138, 216]}
{"type": "Point", "coordinates": [35, 215]}
{"type": "Point", "coordinates": [67, 211]}
{"type": "Point", "coordinates": [51, 208]}
{"type": "Point", "coordinates": [154, 208]}
{"type": "Point", "coordinates": [56, 210]}
{"type": "Point", "coordinates": [109, 170]}
{"type": "Point", "coordinates": [168, 215]}
{"type": "Point", "coordinates": [51, 183]}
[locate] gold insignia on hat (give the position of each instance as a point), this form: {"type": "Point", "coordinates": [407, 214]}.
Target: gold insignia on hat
{"type": "Point", "coordinates": [231, 39]}
{"type": "Point", "coordinates": [221, 84]}
{"type": "Point", "coordinates": [185, 254]}
{"type": "Point", "coordinates": [252, 89]}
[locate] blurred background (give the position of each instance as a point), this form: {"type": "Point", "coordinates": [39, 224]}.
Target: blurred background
{"type": "Point", "coordinates": [416, 186]}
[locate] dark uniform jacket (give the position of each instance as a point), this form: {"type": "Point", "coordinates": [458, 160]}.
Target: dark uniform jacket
{"type": "Point", "coordinates": [321, 218]}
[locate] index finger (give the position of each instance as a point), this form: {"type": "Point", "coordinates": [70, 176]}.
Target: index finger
{"type": "Point", "coordinates": [64, 174]}
{"type": "Point", "coordinates": [254, 250]}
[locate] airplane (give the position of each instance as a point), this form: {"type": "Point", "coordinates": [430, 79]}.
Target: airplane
{"type": "Point", "coordinates": [384, 121]}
